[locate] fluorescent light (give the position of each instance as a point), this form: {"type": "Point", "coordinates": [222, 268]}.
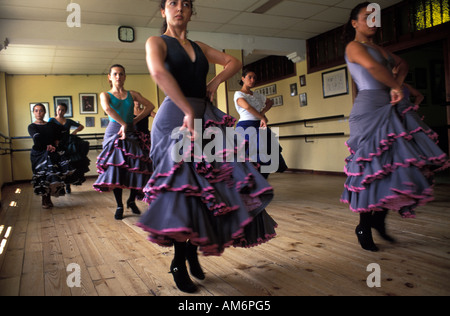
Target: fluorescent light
{"type": "Point", "coordinates": [8, 232]}
{"type": "Point", "coordinates": [2, 246]}
{"type": "Point", "coordinates": [267, 6]}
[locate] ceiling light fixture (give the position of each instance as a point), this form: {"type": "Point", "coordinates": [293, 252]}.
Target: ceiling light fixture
{"type": "Point", "coordinates": [267, 6]}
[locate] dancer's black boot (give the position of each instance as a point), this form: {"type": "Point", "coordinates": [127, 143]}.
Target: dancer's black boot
{"type": "Point", "coordinates": [133, 207]}
{"type": "Point", "coordinates": [119, 213]}
{"type": "Point", "coordinates": [194, 264]}
{"type": "Point", "coordinates": [364, 232]}
{"type": "Point", "coordinates": [131, 202]}
{"type": "Point", "coordinates": [179, 270]}
{"type": "Point", "coordinates": [378, 222]}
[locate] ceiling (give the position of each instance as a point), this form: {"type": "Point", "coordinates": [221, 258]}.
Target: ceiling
{"type": "Point", "coordinates": [40, 42]}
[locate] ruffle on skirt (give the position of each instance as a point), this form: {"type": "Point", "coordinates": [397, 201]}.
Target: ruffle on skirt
{"type": "Point", "coordinates": [263, 154]}
{"type": "Point", "coordinates": [77, 151]}
{"type": "Point", "coordinates": [213, 204]}
{"type": "Point", "coordinates": [50, 172]}
{"type": "Point", "coordinates": [123, 164]}
{"type": "Point", "coordinates": [392, 164]}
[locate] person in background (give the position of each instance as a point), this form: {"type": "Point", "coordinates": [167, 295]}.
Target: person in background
{"type": "Point", "coordinates": [75, 148]}
{"type": "Point", "coordinates": [393, 154]}
{"type": "Point", "coordinates": [409, 91]}
{"type": "Point", "coordinates": [142, 125]}
{"type": "Point", "coordinates": [124, 162]}
{"type": "Point", "coordinates": [252, 108]}
{"type": "Point", "coordinates": [50, 167]}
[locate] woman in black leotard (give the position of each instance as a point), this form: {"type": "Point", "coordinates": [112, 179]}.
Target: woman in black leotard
{"type": "Point", "coordinates": [50, 166]}
{"type": "Point", "coordinates": [209, 204]}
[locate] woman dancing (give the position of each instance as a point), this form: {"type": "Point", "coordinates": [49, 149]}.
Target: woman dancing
{"type": "Point", "coordinates": [124, 162]}
{"type": "Point", "coordinates": [393, 153]}
{"type": "Point", "coordinates": [50, 166]}
{"type": "Point", "coordinates": [212, 205]}
{"type": "Point", "coordinates": [252, 108]}
{"type": "Point", "coordinates": [75, 148]}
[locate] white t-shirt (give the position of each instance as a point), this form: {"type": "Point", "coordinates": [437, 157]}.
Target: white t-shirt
{"type": "Point", "coordinates": [256, 101]}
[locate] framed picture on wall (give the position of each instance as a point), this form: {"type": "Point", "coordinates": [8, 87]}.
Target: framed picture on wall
{"type": "Point", "coordinates": [303, 99]}
{"type": "Point", "coordinates": [47, 111]}
{"type": "Point", "coordinates": [335, 83]}
{"type": "Point", "coordinates": [293, 88]}
{"type": "Point", "coordinates": [302, 80]}
{"type": "Point", "coordinates": [104, 121]}
{"type": "Point", "coordinates": [67, 101]}
{"type": "Point", "coordinates": [90, 121]}
{"type": "Point", "coordinates": [277, 101]}
{"type": "Point", "coordinates": [88, 103]}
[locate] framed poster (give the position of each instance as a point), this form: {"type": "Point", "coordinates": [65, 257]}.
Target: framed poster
{"type": "Point", "coordinates": [66, 100]}
{"type": "Point", "coordinates": [302, 80]}
{"type": "Point", "coordinates": [293, 88]}
{"type": "Point", "coordinates": [47, 111]}
{"type": "Point", "coordinates": [277, 101]}
{"type": "Point", "coordinates": [88, 103]}
{"type": "Point", "coordinates": [303, 99]}
{"type": "Point", "coordinates": [335, 83]}
{"type": "Point", "coordinates": [90, 121]}
{"type": "Point", "coordinates": [104, 121]}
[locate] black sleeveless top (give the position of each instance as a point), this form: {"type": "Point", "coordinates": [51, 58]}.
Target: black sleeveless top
{"type": "Point", "coordinates": [191, 76]}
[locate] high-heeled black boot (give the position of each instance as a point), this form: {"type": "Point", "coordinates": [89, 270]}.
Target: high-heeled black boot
{"type": "Point", "coordinates": [194, 264]}
{"type": "Point", "coordinates": [365, 238]}
{"type": "Point", "coordinates": [119, 213]}
{"type": "Point", "coordinates": [378, 222]}
{"type": "Point", "coordinates": [364, 232]}
{"type": "Point", "coordinates": [133, 207]}
{"type": "Point", "coordinates": [181, 277]}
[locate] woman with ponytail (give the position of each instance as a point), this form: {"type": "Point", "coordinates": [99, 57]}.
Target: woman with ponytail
{"type": "Point", "coordinates": [123, 162]}
{"type": "Point", "coordinates": [393, 153]}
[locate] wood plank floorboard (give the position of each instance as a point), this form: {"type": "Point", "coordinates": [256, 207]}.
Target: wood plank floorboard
{"type": "Point", "coordinates": [315, 252]}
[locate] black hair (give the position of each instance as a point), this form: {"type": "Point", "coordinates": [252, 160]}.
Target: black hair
{"type": "Point", "coordinates": [163, 6]}
{"type": "Point", "coordinates": [111, 68]}
{"type": "Point", "coordinates": [116, 66]}
{"type": "Point", "coordinates": [40, 104]}
{"type": "Point", "coordinates": [63, 105]}
{"type": "Point", "coordinates": [245, 72]}
{"type": "Point", "coordinates": [349, 30]}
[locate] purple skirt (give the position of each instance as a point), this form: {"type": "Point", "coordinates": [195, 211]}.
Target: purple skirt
{"type": "Point", "coordinates": [213, 204]}
{"type": "Point", "coordinates": [51, 171]}
{"type": "Point", "coordinates": [123, 164]}
{"type": "Point", "coordinates": [394, 156]}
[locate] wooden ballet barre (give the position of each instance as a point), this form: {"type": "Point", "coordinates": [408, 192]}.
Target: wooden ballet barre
{"type": "Point", "coordinates": [305, 121]}
{"type": "Point", "coordinates": [311, 135]}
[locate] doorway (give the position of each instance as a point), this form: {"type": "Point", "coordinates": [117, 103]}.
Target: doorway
{"type": "Point", "coordinates": [427, 75]}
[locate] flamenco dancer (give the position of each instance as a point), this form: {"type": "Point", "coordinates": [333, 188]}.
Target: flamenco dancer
{"type": "Point", "coordinates": [50, 166]}
{"type": "Point", "coordinates": [75, 148]}
{"type": "Point", "coordinates": [252, 108]}
{"type": "Point", "coordinates": [124, 162]}
{"type": "Point", "coordinates": [393, 153]}
{"type": "Point", "coordinates": [210, 205]}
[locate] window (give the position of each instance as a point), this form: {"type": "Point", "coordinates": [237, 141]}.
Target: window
{"type": "Point", "coordinates": [272, 68]}
{"type": "Point", "coordinates": [399, 22]}
{"type": "Point", "coordinates": [429, 13]}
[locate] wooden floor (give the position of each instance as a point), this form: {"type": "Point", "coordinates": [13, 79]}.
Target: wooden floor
{"type": "Point", "coordinates": [315, 252]}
